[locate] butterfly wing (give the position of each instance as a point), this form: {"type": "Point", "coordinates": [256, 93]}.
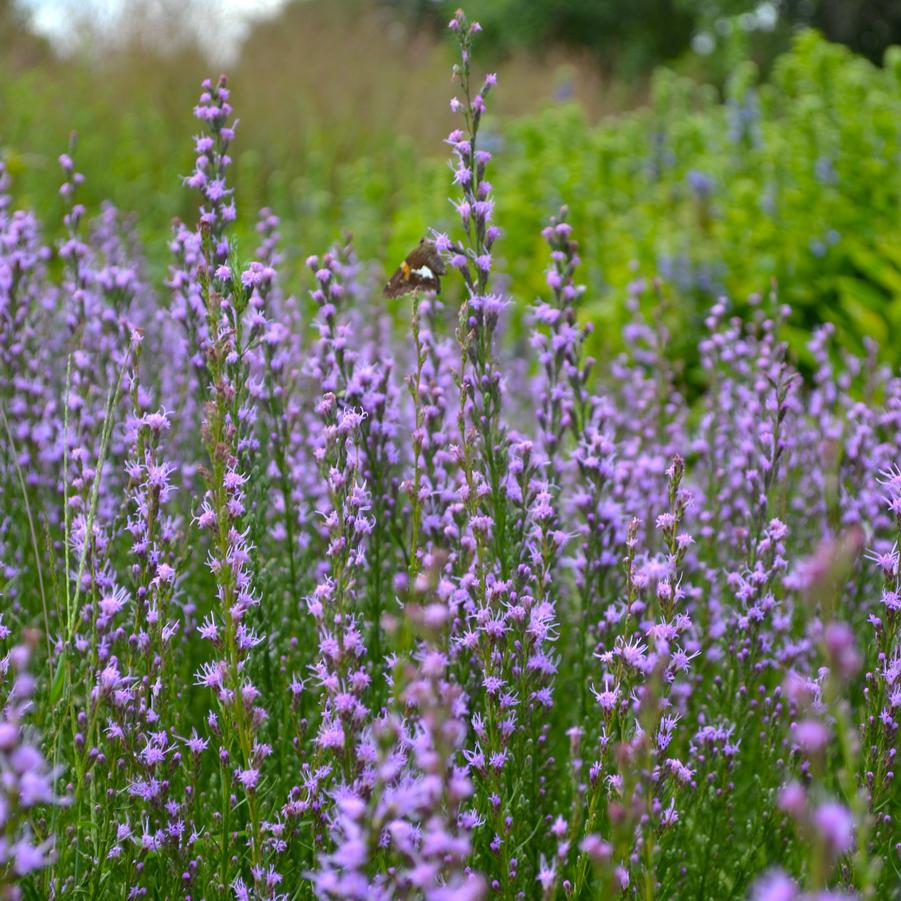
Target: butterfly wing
{"type": "Point", "coordinates": [420, 271]}
{"type": "Point", "coordinates": [431, 257]}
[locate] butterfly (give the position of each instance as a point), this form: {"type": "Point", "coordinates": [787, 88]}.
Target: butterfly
{"type": "Point", "coordinates": [418, 272]}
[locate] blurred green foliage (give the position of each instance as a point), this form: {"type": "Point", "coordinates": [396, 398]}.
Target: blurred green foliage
{"type": "Point", "coordinates": [625, 37]}
{"type": "Point", "coordinates": [631, 36]}
{"type": "Point", "coordinates": [795, 179]}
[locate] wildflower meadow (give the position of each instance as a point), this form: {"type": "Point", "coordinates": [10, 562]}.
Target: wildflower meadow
{"type": "Point", "coordinates": [307, 592]}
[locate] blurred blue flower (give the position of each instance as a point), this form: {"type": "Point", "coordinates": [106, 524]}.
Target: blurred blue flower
{"type": "Point", "coordinates": [825, 171]}
{"type": "Point", "coordinates": [701, 183]}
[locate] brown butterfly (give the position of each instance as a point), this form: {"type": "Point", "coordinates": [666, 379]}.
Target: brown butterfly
{"type": "Point", "coordinates": [418, 272]}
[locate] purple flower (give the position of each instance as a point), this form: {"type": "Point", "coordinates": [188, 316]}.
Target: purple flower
{"type": "Point", "coordinates": [775, 886]}
{"type": "Point", "coordinates": [835, 826]}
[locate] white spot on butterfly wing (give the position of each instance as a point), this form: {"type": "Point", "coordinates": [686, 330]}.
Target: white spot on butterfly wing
{"type": "Point", "coordinates": [424, 271]}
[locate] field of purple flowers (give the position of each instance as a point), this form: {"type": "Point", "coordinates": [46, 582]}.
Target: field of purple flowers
{"type": "Point", "coordinates": [299, 602]}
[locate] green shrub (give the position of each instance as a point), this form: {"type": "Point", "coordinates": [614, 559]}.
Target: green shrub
{"type": "Point", "coordinates": [796, 180]}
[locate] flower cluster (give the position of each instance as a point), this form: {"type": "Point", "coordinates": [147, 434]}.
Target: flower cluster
{"type": "Point", "coordinates": [27, 780]}
{"type": "Point", "coordinates": [325, 598]}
